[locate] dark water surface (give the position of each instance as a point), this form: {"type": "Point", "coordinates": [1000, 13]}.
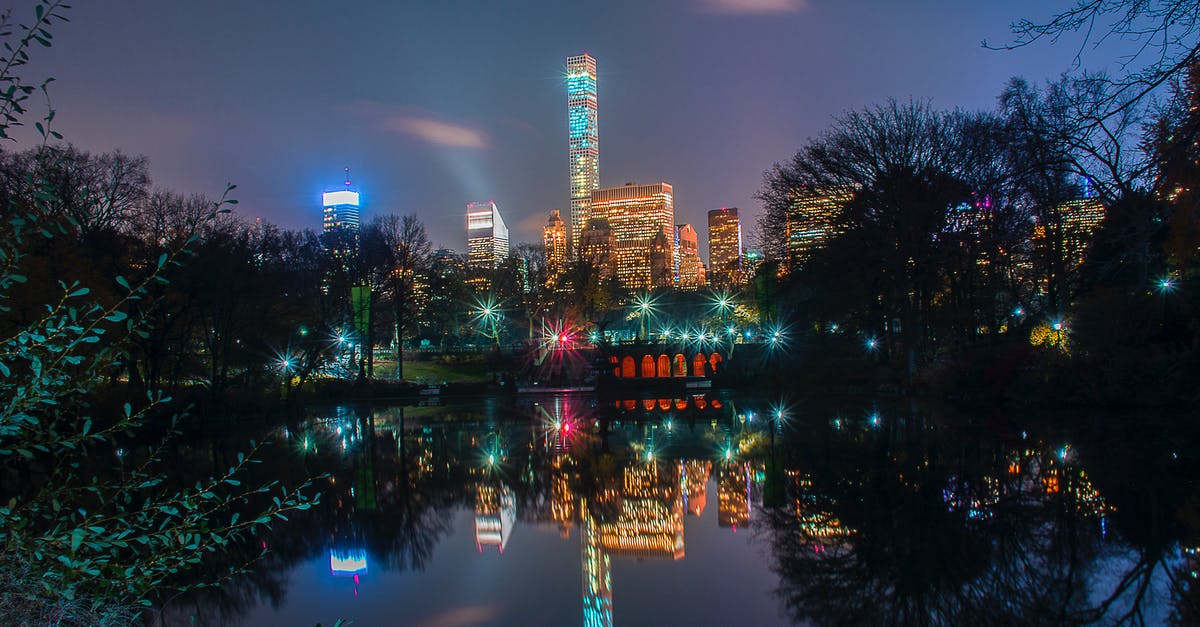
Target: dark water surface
{"type": "Point", "coordinates": [709, 511]}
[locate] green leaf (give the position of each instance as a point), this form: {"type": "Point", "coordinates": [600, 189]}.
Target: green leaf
{"type": "Point", "coordinates": [76, 539]}
{"type": "Point", "coordinates": [122, 282]}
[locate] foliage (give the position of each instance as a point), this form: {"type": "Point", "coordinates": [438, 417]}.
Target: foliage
{"type": "Point", "coordinates": [84, 517]}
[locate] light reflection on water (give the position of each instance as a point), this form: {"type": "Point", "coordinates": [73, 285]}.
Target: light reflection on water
{"type": "Point", "coordinates": [703, 511]}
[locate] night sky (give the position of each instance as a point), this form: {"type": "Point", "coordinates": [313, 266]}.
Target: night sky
{"type": "Point", "coordinates": [433, 104]}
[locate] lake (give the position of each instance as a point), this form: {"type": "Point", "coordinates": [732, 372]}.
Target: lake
{"type": "Point", "coordinates": [712, 510]}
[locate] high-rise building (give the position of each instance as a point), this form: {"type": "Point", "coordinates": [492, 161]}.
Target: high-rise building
{"type": "Point", "coordinates": [1080, 219]}
{"type": "Point", "coordinates": [636, 214]}
{"type": "Point", "coordinates": [687, 249]}
{"type": "Point", "coordinates": [725, 267]}
{"type": "Point", "coordinates": [341, 209]}
{"type": "Point", "coordinates": [582, 140]}
{"type": "Point", "coordinates": [812, 220]}
{"type": "Point", "coordinates": [598, 248]}
{"type": "Point", "coordinates": [487, 236]}
{"type": "Point", "coordinates": [554, 238]}
{"type": "Point", "coordinates": [662, 260]}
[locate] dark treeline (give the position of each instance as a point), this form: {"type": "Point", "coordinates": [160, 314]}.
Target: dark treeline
{"type": "Point", "coordinates": [242, 297]}
{"type": "Point", "coordinates": [957, 259]}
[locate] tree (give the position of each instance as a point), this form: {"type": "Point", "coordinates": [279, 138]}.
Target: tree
{"type": "Point", "coordinates": [925, 203]}
{"type": "Point", "coordinates": [406, 249]}
{"type": "Point", "coordinates": [78, 518]}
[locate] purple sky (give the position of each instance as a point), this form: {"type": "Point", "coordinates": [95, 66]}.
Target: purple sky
{"type": "Point", "coordinates": [434, 104]}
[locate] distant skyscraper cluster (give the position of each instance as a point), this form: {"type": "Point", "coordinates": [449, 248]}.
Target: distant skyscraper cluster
{"type": "Point", "coordinates": [625, 233]}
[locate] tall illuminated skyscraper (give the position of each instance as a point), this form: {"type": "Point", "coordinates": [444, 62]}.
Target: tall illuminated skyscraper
{"type": "Point", "coordinates": [341, 209]}
{"type": "Point", "coordinates": [725, 267]}
{"type": "Point", "coordinates": [582, 139]}
{"type": "Point", "coordinates": [487, 236]}
{"type": "Point", "coordinates": [636, 214]}
{"type": "Point", "coordinates": [554, 239]}
{"type": "Point", "coordinates": [691, 270]}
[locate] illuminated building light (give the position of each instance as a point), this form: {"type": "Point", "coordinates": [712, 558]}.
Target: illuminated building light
{"type": "Point", "coordinates": [347, 563]}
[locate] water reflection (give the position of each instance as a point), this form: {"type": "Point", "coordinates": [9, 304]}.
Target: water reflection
{"type": "Point", "coordinates": [867, 515]}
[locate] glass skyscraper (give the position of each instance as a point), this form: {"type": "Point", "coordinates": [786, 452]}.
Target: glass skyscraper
{"type": "Point", "coordinates": [583, 139]}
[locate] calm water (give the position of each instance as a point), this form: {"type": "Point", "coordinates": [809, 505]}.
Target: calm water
{"type": "Point", "coordinates": [709, 511]}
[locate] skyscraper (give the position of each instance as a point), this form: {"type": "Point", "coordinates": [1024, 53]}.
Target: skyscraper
{"type": "Point", "coordinates": [662, 260]}
{"type": "Point", "coordinates": [598, 248]}
{"type": "Point", "coordinates": [554, 238]}
{"type": "Point", "coordinates": [812, 220]}
{"type": "Point", "coordinates": [487, 236]}
{"type": "Point", "coordinates": [582, 139]}
{"type": "Point", "coordinates": [691, 270]}
{"type": "Point", "coordinates": [341, 209]}
{"type": "Point", "coordinates": [725, 267]}
{"type": "Point", "coordinates": [636, 214]}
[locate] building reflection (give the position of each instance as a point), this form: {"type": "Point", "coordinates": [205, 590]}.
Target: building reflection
{"type": "Point", "coordinates": [733, 495]}
{"type": "Point", "coordinates": [495, 513]}
{"type": "Point", "coordinates": [856, 520]}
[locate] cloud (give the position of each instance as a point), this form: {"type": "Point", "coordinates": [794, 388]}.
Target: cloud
{"type": "Point", "coordinates": [438, 132]}
{"type": "Point", "coordinates": [752, 7]}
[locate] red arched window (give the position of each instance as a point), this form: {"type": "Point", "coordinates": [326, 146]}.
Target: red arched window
{"type": "Point", "coordinates": [664, 404]}
{"type": "Point", "coordinates": [664, 366]}
{"type": "Point", "coordinates": [647, 366]}
{"type": "Point", "coordinates": [628, 369]}
{"type": "Point", "coordinates": [680, 365]}
{"type": "Point", "coordinates": [698, 365]}
{"type": "Point", "coordinates": [713, 360]}
{"type": "Point", "coordinates": [616, 365]}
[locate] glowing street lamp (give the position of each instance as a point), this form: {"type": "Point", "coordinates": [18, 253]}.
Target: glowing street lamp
{"type": "Point", "coordinates": [644, 305]}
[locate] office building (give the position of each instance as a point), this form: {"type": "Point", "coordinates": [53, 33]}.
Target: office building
{"type": "Point", "coordinates": [341, 211]}
{"type": "Point", "coordinates": [554, 239]}
{"type": "Point", "coordinates": [812, 220]}
{"type": "Point", "coordinates": [582, 140]}
{"type": "Point", "coordinates": [487, 236]}
{"type": "Point", "coordinates": [598, 248]}
{"type": "Point", "coordinates": [725, 266]}
{"type": "Point", "coordinates": [687, 250]}
{"type": "Point", "coordinates": [636, 214]}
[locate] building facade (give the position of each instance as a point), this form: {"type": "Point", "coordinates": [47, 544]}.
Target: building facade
{"type": "Point", "coordinates": [598, 248]}
{"type": "Point", "coordinates": [554, 241]}
{"type": "Point", "coordinates": [662, 260]}
{"type": "Point", "coordinates": [583, 140]}
{"type": "Point", "coordinates": [636, 214]}
{"type": "Point", "coordinates": [687, 249]}
{"type": "Point", "coordinates": [812, 220]}
{"type": "Point", "coordinates": [725, 262]}
{"type": "Point", "coordinates": [341, 211]}
{"type": "Point", "coordinates": [487, 236]}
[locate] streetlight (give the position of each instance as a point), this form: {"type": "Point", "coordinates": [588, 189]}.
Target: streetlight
{"type": "Point", "coordinates": [644, 305]}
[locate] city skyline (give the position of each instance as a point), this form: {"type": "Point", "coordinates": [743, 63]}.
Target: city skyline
{"type": "Point", "coordinates": [393, 115]}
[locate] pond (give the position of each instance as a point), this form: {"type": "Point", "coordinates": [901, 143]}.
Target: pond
{"type": "Point", "coordinates": [570, 509]}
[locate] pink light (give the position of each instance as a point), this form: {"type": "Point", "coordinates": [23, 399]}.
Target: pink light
{"type": "Point", "coordinates": [566, 426]}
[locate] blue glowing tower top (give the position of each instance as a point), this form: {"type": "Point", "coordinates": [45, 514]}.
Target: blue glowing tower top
{"type": "Point", "coordinates": [341, 209]}
{"type": "Point", "coordinates": [583, 139]}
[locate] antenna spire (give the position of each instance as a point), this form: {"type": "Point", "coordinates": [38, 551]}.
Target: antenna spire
{"type": "Point", "coordinates": [347, 178]}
